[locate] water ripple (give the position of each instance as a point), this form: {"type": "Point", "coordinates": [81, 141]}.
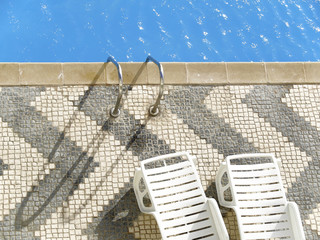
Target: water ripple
{"type": "Point", "coordinates": [241, 30]}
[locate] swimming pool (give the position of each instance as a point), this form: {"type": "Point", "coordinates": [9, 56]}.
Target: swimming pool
{"type": "Point", "coordinates": [182, 31]}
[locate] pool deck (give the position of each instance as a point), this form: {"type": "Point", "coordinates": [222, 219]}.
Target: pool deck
{"type": "Point", "coordinates": [66, 166]}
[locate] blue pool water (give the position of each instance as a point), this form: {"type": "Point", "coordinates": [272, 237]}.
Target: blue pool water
{"type": "Point", "coordinates": [194, 30]}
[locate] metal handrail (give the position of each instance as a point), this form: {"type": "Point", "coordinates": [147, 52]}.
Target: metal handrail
{"type": "Point", "coordinates": [115, 111]}
{"type": "Point", "coordinates": [154, 109]}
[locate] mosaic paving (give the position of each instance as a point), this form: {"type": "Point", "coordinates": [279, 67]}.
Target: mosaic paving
{"type": "Point", "coordinates": [66, 167]}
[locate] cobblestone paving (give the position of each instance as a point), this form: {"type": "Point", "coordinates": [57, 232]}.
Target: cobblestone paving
{"type": "Point", "coordinates": [66, 166]}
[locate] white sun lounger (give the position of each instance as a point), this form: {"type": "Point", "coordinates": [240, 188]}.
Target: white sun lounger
{"type": "Point", "coordinates": [172, 188]}
{"type": "Point", "coordinates": [258, 197]}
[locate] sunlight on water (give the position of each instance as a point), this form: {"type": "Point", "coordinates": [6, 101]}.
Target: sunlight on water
{"type": "Point", "coordinates": [201, 30]}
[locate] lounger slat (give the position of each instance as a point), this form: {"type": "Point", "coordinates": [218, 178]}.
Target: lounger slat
{"type": "Point", "coordinates": [203, 233]}
{"type": "Point", "coordinates": [255, 174]}
{"type": "Point", "coordinates": [260, 203]}
{"type": "Point", "coordinates": [173, 183]}
{"type": "Point", "coordinates": [188, 228]}
{"type": "Point", "coordinates": [264, 235]}
{"type": "Point", "coordinates": [171, 190]}
{"type": "Point", "coordinates": [269, 228]}
{"type": "Point", "coordinates": [209, 232]}
{"type": "Point", "coordinates": [264, 195]}
{"type": "Point", "coordinates": [262, 211]}
{"type": "Point", "coordinates": [181, 204]}
{"type": "Point", "coordinates": [184, 211]}
{"type": "Point", "coordinates": [256, 181]}
{"type": "Point", "coordinates": [251, 167]}
{"type": "Point", "coordinates": [265, 219]}
{"type": "Point", "coordinates": [261, 188]}
{"type": "Point", "coordinates": [166, 168]}
{"type": "Point", "coordinates": [185, 220]}
{"type": "Point", "coordinates": [170, 175]}
{"type": "Point", "coordinates": [178, 197]}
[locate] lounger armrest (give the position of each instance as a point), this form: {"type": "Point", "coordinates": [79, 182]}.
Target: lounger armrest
{"type": "Point", "coordinates": [295, 221]}
{"type": "Point", "coordinates": [217, 218]}
{"type": "Point", "coordinates": [139, 195]}
{"type": "Point", "coordinates": [221, 189]}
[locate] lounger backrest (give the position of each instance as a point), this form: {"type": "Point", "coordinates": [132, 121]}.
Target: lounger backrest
{"type": "Point", "coordinates": [178, 198]}
{"type": "Point", "coordinates": [258, 193]}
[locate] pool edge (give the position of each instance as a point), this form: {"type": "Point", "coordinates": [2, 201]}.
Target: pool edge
{"type": "Point", "coordinates": [175, 73]}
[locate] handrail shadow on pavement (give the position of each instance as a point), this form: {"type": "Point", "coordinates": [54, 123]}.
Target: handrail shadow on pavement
{"type": "Point", "coordinates": [19, 223]}
{"type": "Point", "coordinates": [96, 142]}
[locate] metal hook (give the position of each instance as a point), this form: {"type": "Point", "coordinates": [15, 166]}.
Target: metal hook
{"type": "Point", "coordinates": [154, 109]}
{"type": "Point", "coordinates": [115, 111]}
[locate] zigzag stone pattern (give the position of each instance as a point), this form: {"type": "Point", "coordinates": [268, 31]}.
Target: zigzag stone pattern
{"type": "Point", "coordinates": [79, 162]}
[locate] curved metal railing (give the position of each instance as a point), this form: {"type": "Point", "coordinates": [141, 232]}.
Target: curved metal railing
{"type": "Point", "coordinates": [115, 111]}
{"type": "Point", "coordinates": [154, 109]}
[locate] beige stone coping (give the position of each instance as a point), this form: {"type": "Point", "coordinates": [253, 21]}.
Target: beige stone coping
{"type": "Point", "coordinates": [191, 73]}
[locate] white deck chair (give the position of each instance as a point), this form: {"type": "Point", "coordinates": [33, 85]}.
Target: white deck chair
{"type": "Point", "coordinates": [171, 185]}
{"type": "Point", "coordinates": [258, 197]}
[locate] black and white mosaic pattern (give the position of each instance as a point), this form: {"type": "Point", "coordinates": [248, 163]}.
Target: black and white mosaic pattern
{"type": "Point", "coordinates": [67, 167]}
